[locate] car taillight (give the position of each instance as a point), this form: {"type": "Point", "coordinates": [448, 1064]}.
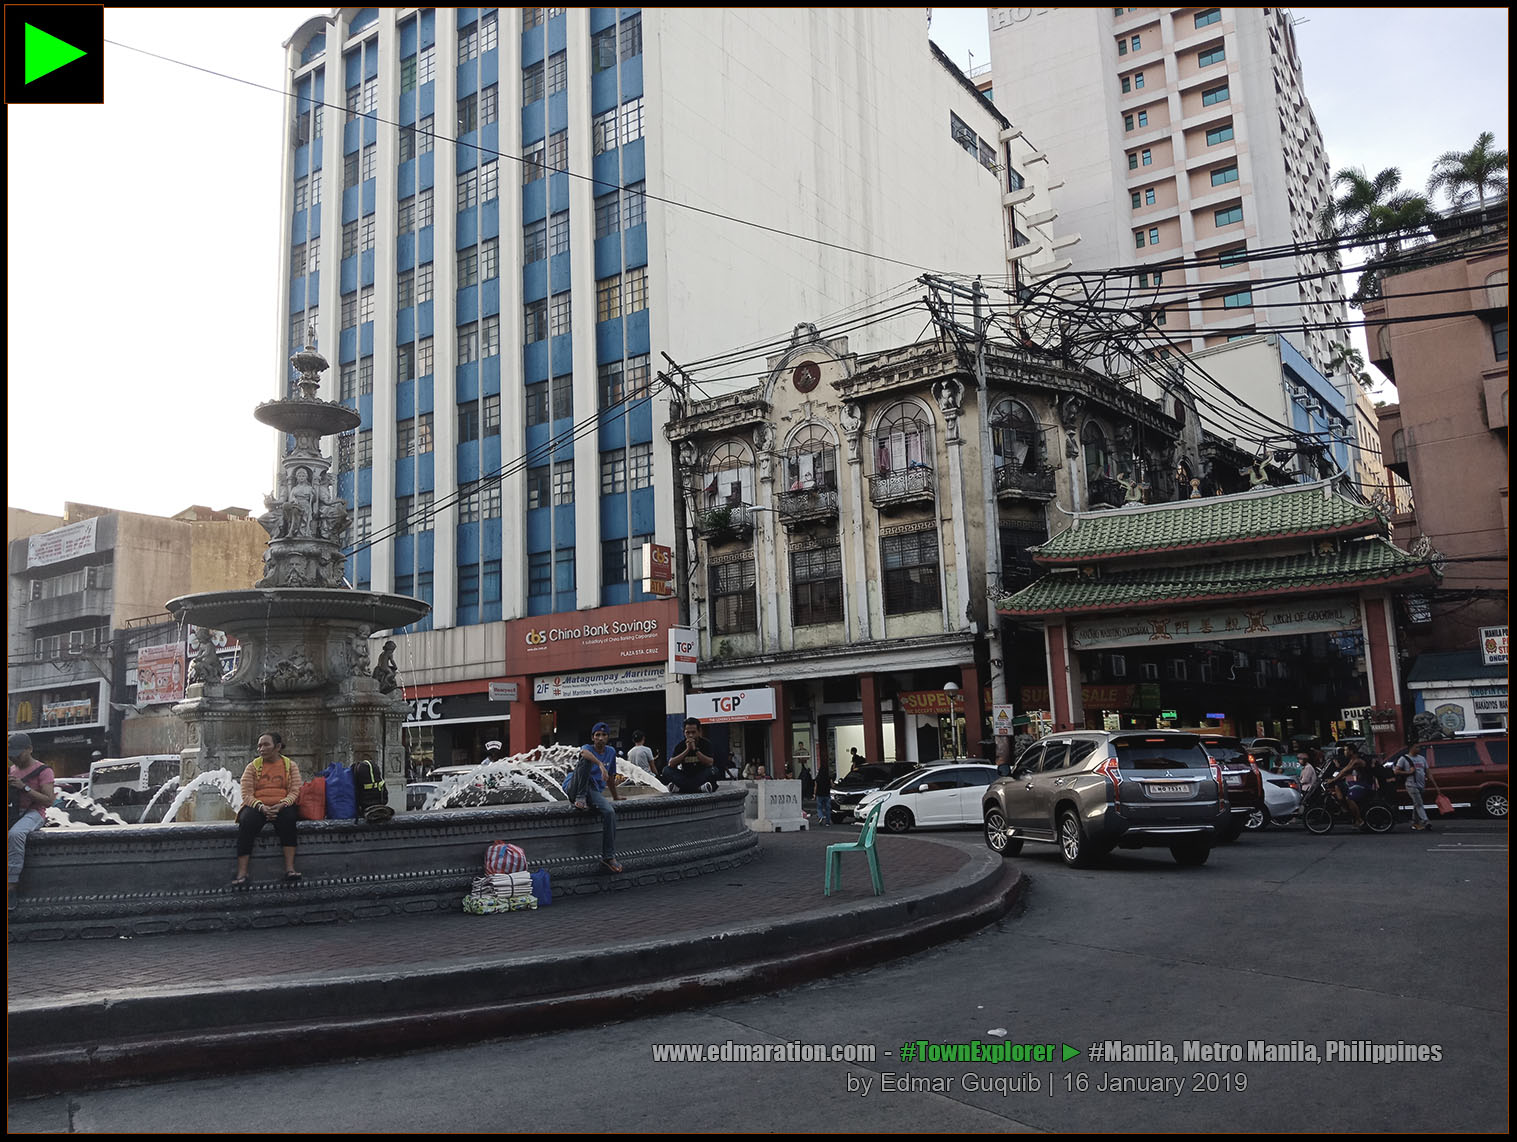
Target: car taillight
{"type": "Point", "coordinates": [1258, 780]}
{"type": "Point", "coordinates": [1216, 773]}
{"type": "Point", "coordinates": [1111, 770]}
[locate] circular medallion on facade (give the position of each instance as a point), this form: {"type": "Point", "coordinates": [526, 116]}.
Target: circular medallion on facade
{"type": "Point", "coordinates": [807, 375]}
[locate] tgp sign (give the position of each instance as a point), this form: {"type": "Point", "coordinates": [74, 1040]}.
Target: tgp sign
{"type": "Point", "coordinates": [755, 705]}
{"type": "Point", "coordinates": [682, 652]}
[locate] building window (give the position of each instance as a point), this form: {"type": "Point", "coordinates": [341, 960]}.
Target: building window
{"type": "Point", "coordinates": [558, 233]}
{"type": "Point", "coordinates": [1143, 118]}
{"type": "Point", "coordinates": [563, 396]}
{"type": "Point", "coordinates": [910, 565]}
{"type": "Point", "coordinates": [734, 602]}
{"type": "Point", "coordinates": [1210, 56]}
{"type": "Point", "coordinates": [537, 487]}
{"type": "Point", "coordinates": [603, 132]}
{"type": "Point", "coordinates": [489, 181]}
{"type": "Point", "coordinates": [1132, 161]}
{"type": "Point", "coordinates": [540, 573]}
{"type": "Point", "coordinates": [489, 104]}
{"type": "Point", "coordinates": [302, 194]}
{"type": "Point", "coordinates": [558, 72]}
{"type": "Point", "coordinates": [1128, 122]}
{"type": "Point", "coordinates": [531, 18]}
{"type": "Point", "coordinates": [534, 241]}
{"type": "Point", "coordinates": [349, 239]}
{"type": "Point", "coordinates": [608, 298]}
{"type": "Point", "coordinates": [426, 68]}
{"type": "Point", "coordinates": [1214, 96]}
{"type": "Point", "coordinates": [632, 120]}
{"type": "Point", "coordinates": [365, 451]}
{"type": "Point", "coordinates": [640, 466]}
{"type": "Point", "coordinates": [610, 384]}
{"type": "Point", "coordinates": [489, 259]}
{"type": "Point", "coordinates": [468, 43]}
{"type": "Point", "coordinates": [532, 83]}
{"type": "Point", "coordinates": [638, 374]}
{"type": "Point", "coordinates": [489, 336]}
{"type": "Point", "coordinates": [560, 314]}
{"type": "Point", "coordinates": [1137, 43]}
{"type": "Point", "coordinates": [636, 289]}
{"type": "Point", "coordinates": [1499, 338]}
{"type": "Point", "coordinates": [423, 282]}
{"type": "Point", "coordinates": [1219, 135]}
{"type": "Point", "coordinates": [816, 586]}
{"type": "Point", "coordinates": [613, 562]}
{"type": "Point", "coordinates": [413, 514]}
{"type": "Point", "coordinates": [1210, 16]}
{"type": "Point", "coordinates": [564, 569]}
{"type": "Point", "coordinates": [558, 151]}
{"type": "Point", "coordinates": [405, 290]}
{"type": "Point", "coordinates": [492, 501]}
{"type": "Point", "coordinates": [366, 305]}
{"type": "Point", "coordinates": [468, 190]}
{"type": "Point", "coordinates": [366, 228]}
{"type": "Point", "coordinates": [1153, 236]}
{"type": "Point", "coordinates": [1148, 158]}
{"type": "Point", "coordinates": [535, 321]}
{"type": "Point", "coordinates": [1122, 46]}
{"type": "Point", "coordinates": [635, 198]}
{"type": "Point", "coordinates": [371, 96]}
{"type": "Point", "coordinates": [1228, 215]}
{"type": "Point", "coordinates": [363, 526]}
{"type": "Point", "coordinates": [608, 214]}
{"type": "Point", "coordinates": [468, 429]}
{"type": "Point", "coordinates": [534, 162]}
{"type": "Point", "coordinates": [350, 169]}
{"type": "Point", "coordinates": [632, 36]}
{"type": "Point", "coordinates": [489, 33]}
{"type": "Point", "coordinates": [405, 362]}
{"type": "Point", "coordinates": [354, 100]}
{"type": "Point", "coordinates": [408, 74]}
{"type": "Point", "coordinates": [424, 212]}
{"type": "Point", "coordinates": [1127, 85]}
{"type": "Point", "coordinates": [1139, 239]}
{"type": "Point", "coordinates": [468, 114]}
{"type": "Point", "coordinates": [405, 439]}
{"type": "Point", "coordinates": [365, 375]}
{"type": "Point", "coordinates": [1097, 455]}
{"type": "Point", "coordinates": [613, 472]}
{"type": "Point", "coordinates": [1240, 300]}
{"type": "Point", "coordinates": [468, 268]}
{"type": "Point", "coordinates": [1016, 440]}
{"type": "Point", "coordinates": [1224, 175]}
{"type": "Point", "coordinates": [370, 162]}
{"type": "Point", "coordinates": [425, 139]}
{"type": "Point", "coordinates": [563, 482]}
{"type": "Point", "coordinates": [405, 216]}
{"type": "Point", "coordinates": [424, 357]}
{"type": "Point", "coordinates": [603, 50]}
{"type": "Point", "coordinates": [348, 383]}
{"type": "Point", "coordinates": [1232, 257]}
{"type": "Point", "coordinates": [491, 407]}
{"type": "Point", "coordinates": [1137, 81]}
{"type": "Point", "coordinates": [468, 344]}
{"type": "Point", "coordinates": [349, 311]}
{"type": "Point", "coordinates": [1137, 200]}
{"type": "Point", "coordinates": [537, 403]}
{"type": "Point", "coordinates": [1149, 197]}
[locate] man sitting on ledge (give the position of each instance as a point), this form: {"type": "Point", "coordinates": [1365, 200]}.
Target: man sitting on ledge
{"type": "Point", "coordinates": [691, 768]}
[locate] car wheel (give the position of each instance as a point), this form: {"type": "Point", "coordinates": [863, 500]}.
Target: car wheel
{"type": "Point", "coordinates": [1318, 820]}
{"type": "Point", "coordinates": [898, 820]}
{"type": "Point", "coordinates": [1379, 819]}
{"type": "Point", "coordinates": [1493, 803]}
{"type": "Point", "coordinates": [1073, 846]}
{"type": "Point", "coordinates": [1256, 819]}
{"type": "Point", "coordinates": [997, 837]}
{"type": "Point", "coordinates": [1190, 855]}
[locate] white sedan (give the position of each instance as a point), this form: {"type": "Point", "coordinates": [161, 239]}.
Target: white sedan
{"type": "Point", "coordinates": [939, 793]}
{"type": "Point", "coordinates": [1282, 797]}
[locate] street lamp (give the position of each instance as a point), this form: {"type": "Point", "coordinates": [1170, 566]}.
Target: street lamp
{"type": "Point", "coordinates": [952, 690]}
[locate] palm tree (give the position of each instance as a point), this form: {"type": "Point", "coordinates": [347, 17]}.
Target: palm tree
{"type": "Point", "coordinates": [1461, 174]}
{"type": "Point", "coordinates": [1378, 213]}
{"type": "Point", "coordinates": [1342, 355]}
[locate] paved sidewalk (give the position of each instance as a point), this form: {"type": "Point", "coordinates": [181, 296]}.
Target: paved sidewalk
{"type": "Point", "coordinates": [115, 1009]}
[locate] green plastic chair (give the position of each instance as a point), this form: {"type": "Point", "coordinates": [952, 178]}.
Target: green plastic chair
{"type": "Point", "coordinates": [865, 845]}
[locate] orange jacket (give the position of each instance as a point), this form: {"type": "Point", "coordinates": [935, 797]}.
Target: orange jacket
{"type": "Point", "coordinates": [270, 784]}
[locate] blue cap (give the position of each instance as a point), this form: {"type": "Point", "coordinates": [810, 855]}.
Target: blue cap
{"type": "Point", "coordinates": [599, 728]}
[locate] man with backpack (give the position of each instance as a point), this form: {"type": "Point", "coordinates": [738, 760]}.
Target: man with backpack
{"type": "Point", "coordinates": [1413, 766]}
{"type": "Point", "coordinates": [31, 792]}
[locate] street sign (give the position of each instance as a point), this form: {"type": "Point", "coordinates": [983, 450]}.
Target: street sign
{"type": "Point", "coordinates": [1493, 645]}
{"type": "Point", "coordinates": [1355, 713]}
{"type": "Point", "coordinates": [502, 691]}
{"type": "Point", "coordinates": [1004, 718]}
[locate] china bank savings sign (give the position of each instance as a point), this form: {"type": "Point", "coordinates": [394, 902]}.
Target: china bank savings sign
{"type": "Point", "coordinates": [607, 636]}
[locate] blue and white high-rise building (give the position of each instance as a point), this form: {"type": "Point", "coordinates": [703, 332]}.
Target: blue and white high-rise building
{"type": "Point", "coordinates": [499, 220]}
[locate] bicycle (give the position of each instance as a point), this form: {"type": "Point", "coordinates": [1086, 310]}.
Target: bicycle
{"type": "Point", "coordinates": [1320, 811]}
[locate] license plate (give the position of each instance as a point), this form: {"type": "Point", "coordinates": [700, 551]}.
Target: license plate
{"type": "Point", "coordinates": [1234, 779]}
{"type": "Point", "coordinates": [1177, 790]}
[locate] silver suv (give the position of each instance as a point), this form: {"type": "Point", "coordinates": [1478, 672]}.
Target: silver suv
{"type": "Point", "coordinates": [1091, 791]}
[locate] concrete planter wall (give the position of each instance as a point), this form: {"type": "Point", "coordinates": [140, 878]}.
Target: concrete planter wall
{"type": "Point", "coordinates": [139, 880]}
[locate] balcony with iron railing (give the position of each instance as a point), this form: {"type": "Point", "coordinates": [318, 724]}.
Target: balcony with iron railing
{"type": "Point", "coordinates": [1106, 492]}
{"type": "Point", "coordinates": [725, 523]}
{"type": "Point", "coordinates": [910, 485]}
{"type": "Point", "coordinates": [801, 506]}
{"type": "Point", "coordinates": [1014, 481]}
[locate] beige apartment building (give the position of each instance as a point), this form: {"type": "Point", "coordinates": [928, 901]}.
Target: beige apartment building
{"type": "Point", "coordinates": [1186, 148]}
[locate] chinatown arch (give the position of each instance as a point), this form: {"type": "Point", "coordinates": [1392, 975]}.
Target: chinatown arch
{"type": "Point", "coordinates": [1271, 562]}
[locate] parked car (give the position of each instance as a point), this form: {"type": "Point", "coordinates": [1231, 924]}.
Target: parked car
{"type": "Point", "coordinates": [1282, 797]}
{"type": "Point", "coordinates": [1242, 779]}
{"type": "Point", "coordinates": [851, 788]}
{"type": "Point", "coordinates": [945, 792]}
{"type": "Point", "coordinates": [1089, 792]}
{"type": "Point", "coordinates": [417, 793]}
{"type": "Point", "coordinates": [70, 784]}
{"type": "Point", "coordinates": [1261, 750]}
{"type": "Point", "coordinates": [1469, 771]}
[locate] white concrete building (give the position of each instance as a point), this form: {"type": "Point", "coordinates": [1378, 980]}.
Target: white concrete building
{"type": "Point", "coordinates": [1186, 148]}
{"type": "Point", "coordinates": [498, 220]}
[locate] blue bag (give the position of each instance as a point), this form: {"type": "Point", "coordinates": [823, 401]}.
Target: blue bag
{"type": "Point", "coordinates": [541, 889]}
{"type": "Point", "coordinates": [342, 794]}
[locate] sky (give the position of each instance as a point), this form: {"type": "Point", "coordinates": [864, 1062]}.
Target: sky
{"type": "Point", "coordinates": [135, 360]}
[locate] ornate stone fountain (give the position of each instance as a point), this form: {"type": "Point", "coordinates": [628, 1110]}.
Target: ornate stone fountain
{"type": "Point", "coordinates": [304, 669]}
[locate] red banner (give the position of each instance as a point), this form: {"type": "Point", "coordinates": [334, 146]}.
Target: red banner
{"type": "Point", "coordinates": [1092, 697]}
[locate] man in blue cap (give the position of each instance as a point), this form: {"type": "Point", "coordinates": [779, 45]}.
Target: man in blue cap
{"type": "Point", "coordinates": [588, 784]}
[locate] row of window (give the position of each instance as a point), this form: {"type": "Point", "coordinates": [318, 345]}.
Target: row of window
{"type": "Point", "coordinates": [73, 582]}
{"type": "Point", "coordinates": [625, 39]}
{"type": "Point", "coordinates": [909, 583]}
{"type": "Point", "coordinates": [69, 643]}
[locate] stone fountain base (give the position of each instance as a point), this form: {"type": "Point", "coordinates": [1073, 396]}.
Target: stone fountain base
{"type": "Point", "coordinates": [139, 880]}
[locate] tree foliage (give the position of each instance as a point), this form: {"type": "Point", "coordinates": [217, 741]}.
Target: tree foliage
{"type": "Point", "coordinates": [1470, 175]}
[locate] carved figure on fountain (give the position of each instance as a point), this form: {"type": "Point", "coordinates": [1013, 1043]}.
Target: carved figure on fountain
{"type": "Point", "coordinates": [207, 664]}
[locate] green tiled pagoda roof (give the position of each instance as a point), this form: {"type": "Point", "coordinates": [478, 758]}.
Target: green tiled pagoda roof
{"type": "Point", "coordinates": [1313, 510]}
{"type": "Point", "coordinates": [1365, 563]}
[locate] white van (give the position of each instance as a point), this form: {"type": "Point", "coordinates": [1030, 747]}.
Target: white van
{"type": "Point", "coordinates": [141, 774]}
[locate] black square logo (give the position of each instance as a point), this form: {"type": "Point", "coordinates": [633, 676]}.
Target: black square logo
{"type": "Point", "coordinates": [54, 54]}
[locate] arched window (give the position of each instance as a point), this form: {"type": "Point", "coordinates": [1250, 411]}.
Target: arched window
{"type": "Point", "coordinates": [1495, 290]}
{"type": "Point", "coordinates": [1015, 437]}
{"type": "Point", "coordinates": [1097, 452]}
{"type": "Point", "coordinates": [900, 440]}
{"type": "Point", "coordinates": [1398, 446]}
{"type": "Point", "coordinates": [729, 475]}
{"type": "Point", "coordinates": [811, 460]}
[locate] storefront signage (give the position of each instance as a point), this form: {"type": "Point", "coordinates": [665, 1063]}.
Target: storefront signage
{"type": "Point", "coordinates": [66, 713]}
{"type": "Point", "coordinates": [1490, 705]}
{"type": "Point", "coordinates": [1247, 620]}
{"type": "Point", "coordinates": [61, 543]}
{"type": "Point", "coordinates": [930, 702]}
{"type": "Point", "coordinates": [658, 574]}
{"type": "Point", "coordinates": [605, 636]}
{"type": "Point", "coordinates": [594, 683]}
{"type": "Point", "coordinates": [1355, 713]}
{"type": "Point", "coordinates": [448, 709]}
{"type": "Point", "coordinates": [1418, 609]}
{"type": "Point", "coordinates": [503, 691]}
{"type": "Point", "coordinates": [756, 705]}
{"type": "Point", "coordinates": [1091, 697]}
{"type": "Point", "coordinates": [160, 674]}
{"type": "Point", "coordinates": [1493, 645]}
{"type": "Point", "coordinates": [682, 651]}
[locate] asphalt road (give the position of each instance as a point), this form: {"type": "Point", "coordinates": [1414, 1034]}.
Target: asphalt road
{"type": "Point", "coordinates": [1339, 944]}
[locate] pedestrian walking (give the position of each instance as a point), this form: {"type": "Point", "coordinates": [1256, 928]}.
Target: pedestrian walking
{"type": "Point", "coordinates": [823, 794]}
{"type": "Point", "coordinates": [1413, 766]}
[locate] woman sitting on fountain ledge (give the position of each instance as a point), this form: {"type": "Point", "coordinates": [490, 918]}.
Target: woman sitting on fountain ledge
{"type": "Point", "coordinates": [270, 785]}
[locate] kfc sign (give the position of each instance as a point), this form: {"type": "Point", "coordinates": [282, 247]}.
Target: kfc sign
{"type": "Point", "coordinates": [755, 705]}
